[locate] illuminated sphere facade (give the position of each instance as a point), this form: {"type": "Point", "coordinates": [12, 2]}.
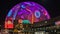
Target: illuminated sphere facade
{"type": "Point", "coordinates": [28, 12]}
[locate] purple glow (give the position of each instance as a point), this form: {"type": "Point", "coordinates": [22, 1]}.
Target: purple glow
{"type": "Point", "coordinates": [25, 10]}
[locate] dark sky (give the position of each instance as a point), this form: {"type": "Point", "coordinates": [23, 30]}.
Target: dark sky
{"type": "Point", "coordinates": [52, 6]}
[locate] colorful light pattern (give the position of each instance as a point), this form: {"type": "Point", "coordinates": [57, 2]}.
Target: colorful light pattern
{"type": "Point", "coordinates": [28, 12]}
{"type": "Point", "coordinates": [9, 14]}
{"type": "Point", "coordinates": [37, 14]}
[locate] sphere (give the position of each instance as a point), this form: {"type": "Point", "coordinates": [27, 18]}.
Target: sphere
{"type": "Point", "coordinates": [28, 12]}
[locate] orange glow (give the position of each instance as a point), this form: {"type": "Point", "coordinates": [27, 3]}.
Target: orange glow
{"type": "Point", "coordinates": [20, 21]}
{"type": "Point", "coordinates": [32, 18]}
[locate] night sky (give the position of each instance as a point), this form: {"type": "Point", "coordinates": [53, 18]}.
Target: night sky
{"type": "Point", "coordinates": [52, 6]}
